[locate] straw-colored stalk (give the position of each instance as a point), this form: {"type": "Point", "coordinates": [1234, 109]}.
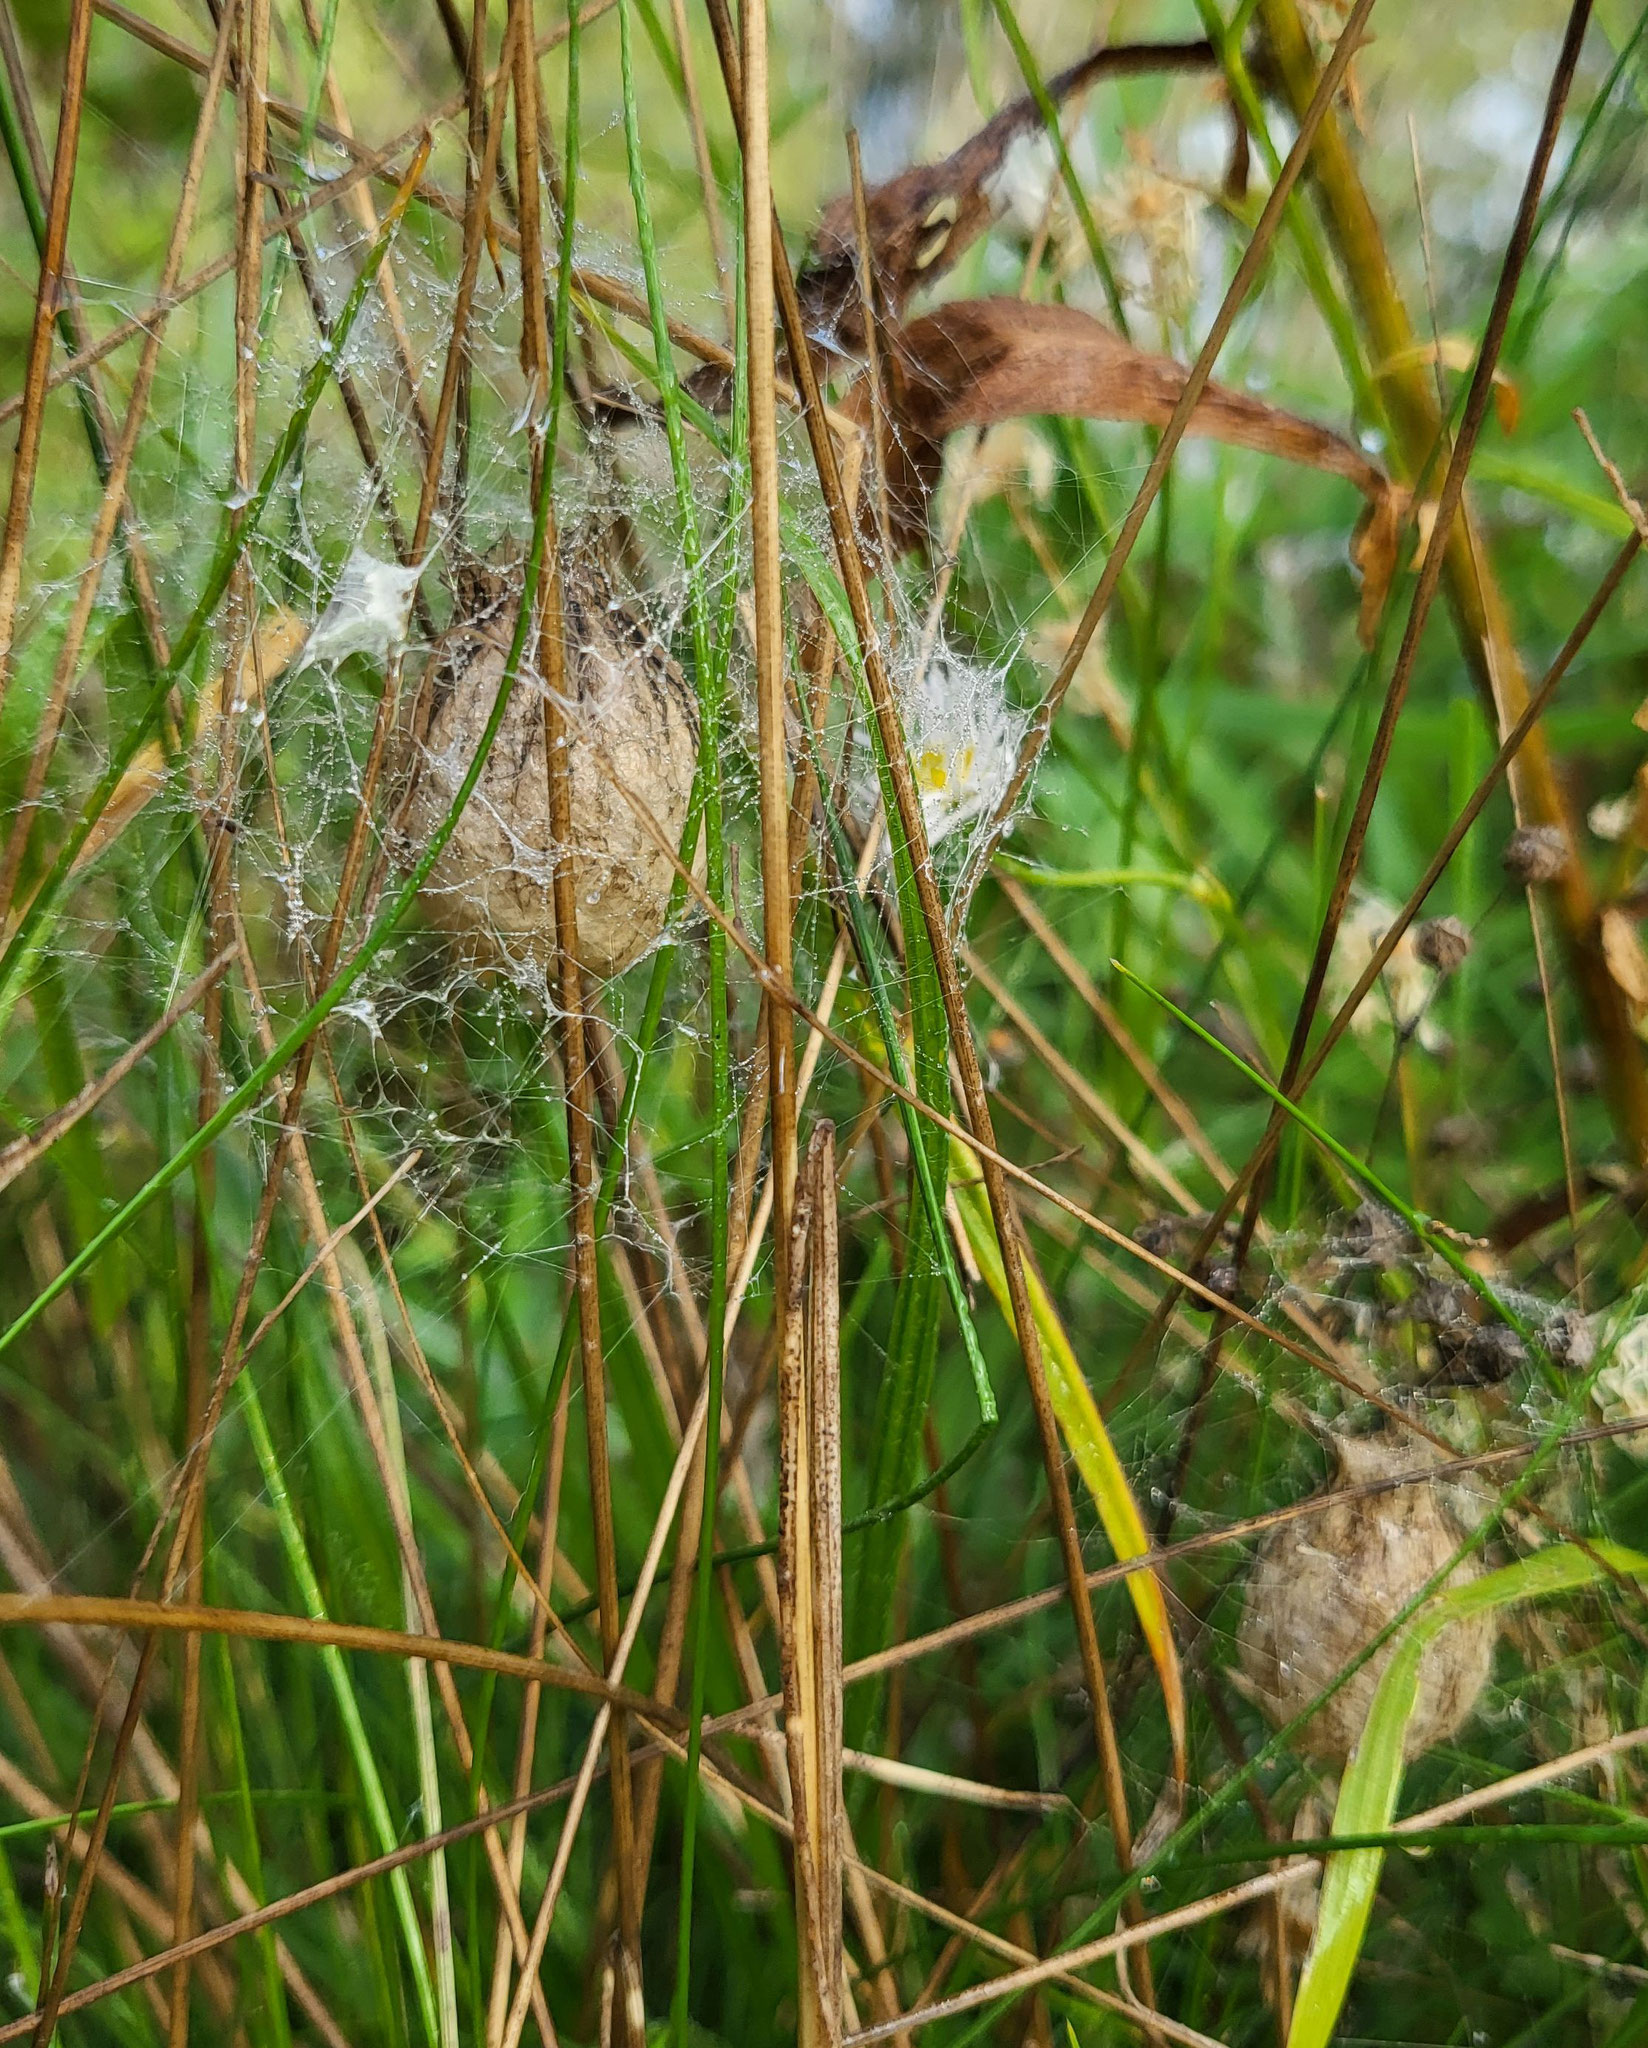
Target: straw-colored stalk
{"type": "Point", "coordinates": [809, 1578]}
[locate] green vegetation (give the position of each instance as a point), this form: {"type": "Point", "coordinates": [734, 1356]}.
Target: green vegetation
{"type": "Point", "coordinates": [1139, 1052]}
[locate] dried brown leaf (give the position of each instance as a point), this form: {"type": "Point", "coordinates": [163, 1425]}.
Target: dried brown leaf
{"type": "Point", "coordinates": [980, 361]}
{"type": "Point", "coordinates": [1627, 962]}
{"type": "Point", "coordinates": [280, 634]}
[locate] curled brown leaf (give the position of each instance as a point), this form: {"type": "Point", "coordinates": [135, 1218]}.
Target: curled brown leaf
{"type": "Point", "coordinates": [979, 361]}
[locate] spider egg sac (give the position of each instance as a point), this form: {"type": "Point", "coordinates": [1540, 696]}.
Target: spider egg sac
{"type": "Point", "coordinates": [1325, 1585]}
{"type": "Point", "coordinates": [631, 724]}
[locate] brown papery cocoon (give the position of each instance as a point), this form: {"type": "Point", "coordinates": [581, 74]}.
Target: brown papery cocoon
{"type": "Point", "coordinates": [1324, 1587]}
{"type": "Point", "coordinates": [491, 886]}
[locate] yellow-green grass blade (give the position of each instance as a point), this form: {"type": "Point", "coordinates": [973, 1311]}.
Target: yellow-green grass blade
{"type": "Point", "coordinates": [1084, 1431]}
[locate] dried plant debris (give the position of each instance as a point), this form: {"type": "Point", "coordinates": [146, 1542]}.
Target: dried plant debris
{"type": "Point", "coordinates": [1324, 1586]}
{"type": "Point", "coordinates": [631, 720]}
{"type": "Point", "coordinates": [922, 221]}
{"type": "Point", "coordinates": [976, 363]}
{"type": "Point", "coordinates": [1417, 1322]}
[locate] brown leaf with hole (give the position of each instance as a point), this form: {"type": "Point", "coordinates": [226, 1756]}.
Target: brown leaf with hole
{"type": "Point", "coordinates": [1457, 352]}
{"type": "Point", "coordinates": [279, 636]}
{"type": "Point", "coordinates": [924, 219]}
{"type": "Point", "coordinates": [978, 361]}
{"type": "Point", "coordinates": [1626, 960]}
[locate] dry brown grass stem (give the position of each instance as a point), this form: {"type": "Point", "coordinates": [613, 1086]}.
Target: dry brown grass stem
{"type": "Point", "coordinates": [578, 1070]}
{"type": "Point", "coordinates": [148, 1911]}
{"type": "Point", "coordinates": [73, 328]}
{"type": "Point", "coordinates": [371, 1198]}
{"type": "Point", "coordinates": [1509, 750]}
{"type": "Point", "coordinates": [31, 1575]}
{"type": "Point", "coordinates": [1630, 505]}
{"type": "Point", "coordinates": [1237, 1895]}
{"type": "Point", "coordinates": [143, 1905]}
{"type": "Point", "coordinates": [160, 1617]}
{"type": "Point", "coordinates": [187, 1495]}
{"type": "Point", "coordinates": [243, 36]}
{"type": "Point", "coordinates": [810, 1584]}
{"type": "Point", "coordinates": [1177, 1110]}
{"type": "Point", "coordinates": [26, 452]}
{"type": "Point", "coordinates": [863, 1878]}
{"type": "Point", "coordinates": [1087, 1099]}
{"type": "Point", "coordinates": [1107, 1947]}
{"type": "Point", "coordinates": [1448, 505]}
{"type": "Point", "coordinates": [872, 363]}
{"type": "Point", "coordinates": [359, 202]}
{"type": "Point", "coordinates": [818, 662]}
{"type": "Point", "coordinates": [326, 1248]}
{"type": "Point", "coordinates": [630, 2014]}
{"type": "Point", "coordinates": [368, 162]}
{"type": "Point", "coordinates": [887, 1770]}
{"type": "Point", "coordinates": [988, 1153]}
{"type": "Point", "coordinates": [291, 115]}
{"type": "Point", "coordinates": [381, 1426]}
{"type": "Point", "coordinates": [767, 581]}
{"type": "Point", "coordinates": [119, 474]}
{"type": "Point", "coordinates": [526, 1746]}
{"type": "Point", "coordinates": [535, 348]}
{"type": "Point", "coordinates": [346, 1880]}
{"type": "Point", "coordinates": [969, 1628]}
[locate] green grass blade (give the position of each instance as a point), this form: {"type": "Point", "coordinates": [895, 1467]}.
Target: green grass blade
{"type": "Point", "coordinates": [343, 1692]}
{"type": "Point", "coordinates": [709, 675]}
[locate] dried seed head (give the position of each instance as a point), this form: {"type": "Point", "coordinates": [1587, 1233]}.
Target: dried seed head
{"type": "Point", "coordinates": [1152, 220]}
{"type": "Point", "coordinates": [1535, 853]}
{"type": "Point", "coordinates": [1376, 1236]}
{"type": "Point", "coordinates": [632, 720]}
{"type": "Point", "coordinates": [1325, 1585]}
{"type": "Point", "coordinates": [1570, 1338]}
{"type": "Point", "coordinates": [1490, 1354]}
{"type": "Point", "coordinates": [1442, 943]}
{"type": "Point", "coordinates": [1165, 1235]}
